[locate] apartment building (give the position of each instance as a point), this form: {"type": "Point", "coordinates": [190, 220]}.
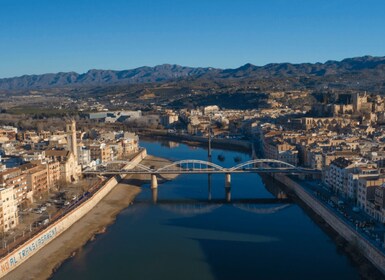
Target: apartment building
{"type": "Point", "coordinates": [363, 171]}
{"type": "Point", "coordinates": [379, 203]}
{"type": "Point", "coordinates": [53, 173]}
{"type": "Point", "coordinates": [37, 179]}
{"type": "Point", "coordinates": [14, 178]}
{"type": "Point", "coordinates": [280, 150]}
{"type": "Point", "coordinates": [366, 193]}
{"type": "Point", "coordinates": [100, 152]}
{"type": "Point", "coordinates": [9, 217]}
{"type": "Point", "coordinates": [336, 175]}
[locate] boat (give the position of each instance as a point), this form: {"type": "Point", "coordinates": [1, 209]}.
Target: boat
{"type": "Point", "coordinates": [237, 159]}
{"type": "Point", "coordinates": [221, 157]}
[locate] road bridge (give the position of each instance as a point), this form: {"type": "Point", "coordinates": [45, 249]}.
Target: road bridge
{"type": "Point", "coordinates": [194, 166]}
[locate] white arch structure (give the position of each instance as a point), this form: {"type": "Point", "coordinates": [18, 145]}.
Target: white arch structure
{"type": "Point", "coordinates": [201, 166]}
{"type": "Point", "coordinates": [191, 209]}
{"type": "Point", "coordinates": [128, 165]}
{"type": "Point", "coordinates": [191, 165]}
{"type": "Point", "coordinates": [256, 209]}
{"type": "Point", "coordinates": [255, 162]}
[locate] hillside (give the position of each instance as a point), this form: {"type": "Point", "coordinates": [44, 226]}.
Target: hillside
{"type": "Point", "coordinates": [95, 77]}
{"type": "Point", "coordinates": [365, 72]}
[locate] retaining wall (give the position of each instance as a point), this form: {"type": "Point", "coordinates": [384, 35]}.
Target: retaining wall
{"type": "Point", "coordinates": [373, 254]}
{"type": "Point", "coordinates": [139, 157]}
{"type": "Point", "coordinates": [32, 246]}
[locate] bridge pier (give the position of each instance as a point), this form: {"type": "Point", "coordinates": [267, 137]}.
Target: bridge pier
{"type": "Point", "coordinates": [154, 181]}
{"type": "Point", "coordinates": [228, 187]}
{"type": "Point", "coordinates": [228, 194]}
{"type": "Point", "coordinates": [228, 180]}
{"type": "Point", "coordinates": [209, 186]}
{"type": "Point", "coordinates": [154, 195]}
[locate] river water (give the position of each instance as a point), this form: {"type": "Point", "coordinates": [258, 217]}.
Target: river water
{"type": "Point", "coordinates": [185, 237]}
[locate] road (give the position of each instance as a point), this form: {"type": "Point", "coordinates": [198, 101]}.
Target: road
{"type": "Point", "coordinates": [373, 231]}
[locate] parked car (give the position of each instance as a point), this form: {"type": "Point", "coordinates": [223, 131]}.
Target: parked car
{"type": "Point", "coordinates": [38, 211]}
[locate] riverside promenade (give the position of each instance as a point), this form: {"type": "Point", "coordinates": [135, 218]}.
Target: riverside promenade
{"type": "Point", "coordinates": [14, 262]}
{"type": "Point", "coordinates": [371, 251]}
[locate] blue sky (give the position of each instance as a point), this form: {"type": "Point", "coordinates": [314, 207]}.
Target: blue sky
{"type": "Point", "coordinates": [41, 36]}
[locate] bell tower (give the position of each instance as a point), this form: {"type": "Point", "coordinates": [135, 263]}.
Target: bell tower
{"type": "Point", "coordinates": [71, 132]}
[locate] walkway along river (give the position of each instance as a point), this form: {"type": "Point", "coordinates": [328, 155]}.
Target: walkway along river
{"type": "Point", "coordinates": [184, 236]}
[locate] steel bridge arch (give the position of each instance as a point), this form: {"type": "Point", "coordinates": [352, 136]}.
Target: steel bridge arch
{"type": "Point", "coordinates": [139, 166]}
{"type": "Point", "coordinates": [194, 163]}
{"type": "Point", "coordinates": [191, 210]}
{"type": "Point", "coordinates": [258, 210]}
{"type": "Point", "coordinates": [143, 167]}
{"type": "Point", "coordinates": [255, 161]}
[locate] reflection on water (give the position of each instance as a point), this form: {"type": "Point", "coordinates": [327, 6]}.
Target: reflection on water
{"type": "Point", "coordinates": [274, 188]}
{"type": "Point", "coordinates": [229, 236]}
{"type": "Point", "coordinates": [190, 209]}
{"type": "Point", "coordinates": [197, 229]}
{"type": "Point", "coordinates": [169, 144]}
{"type": "Point", "coordinates": [154, 192]}
{"type": "Point", "coordinates": [209, 186]}
{"type": "Point", "coordinates": [256, 209]}
{"type": "Point", "coordinates": [196, 207]}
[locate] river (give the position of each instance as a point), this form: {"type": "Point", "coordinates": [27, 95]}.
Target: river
{"type": "Point", "coordinates": [185, 237]}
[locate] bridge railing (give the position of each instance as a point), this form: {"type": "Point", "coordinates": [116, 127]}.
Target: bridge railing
{"type": "Point", "coordinates": [193, 165]}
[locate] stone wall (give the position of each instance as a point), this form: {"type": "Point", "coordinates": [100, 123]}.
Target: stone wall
{"type": "Point", "coordinates": [29, 248]}
{"type": "Point", "coordinates": [373, 254]}
{"type": "Point", "coordinates": [139, 157]}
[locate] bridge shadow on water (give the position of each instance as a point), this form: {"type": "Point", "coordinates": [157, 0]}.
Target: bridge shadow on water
{"type": "Point", "coordinates": [243, 238]}
{"type": "Point", "coordinates": [232, 243]}
{"type": "Point", "coordinates": [178, 201]}
{"type": "Point", "coordinates": [234, 238]}
{"type": "Point", "coordinates": [245, 244]}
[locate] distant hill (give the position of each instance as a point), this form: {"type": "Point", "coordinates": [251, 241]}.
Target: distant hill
{"type": "Point", "coordinates": [95, 77]}
{"type": "Point", "coordinates": [367, 71]}
{"type": "Point", "coordinates": [278, 70]}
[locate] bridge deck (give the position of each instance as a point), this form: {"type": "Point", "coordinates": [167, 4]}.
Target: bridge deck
{"type": "Point", "coordinates": [193, 166]}
{"type": "Point", "coordinates": [192, 171]}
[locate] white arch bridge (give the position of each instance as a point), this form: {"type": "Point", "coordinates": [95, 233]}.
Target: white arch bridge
{"type": "Point", "coordinates": [193, 166]}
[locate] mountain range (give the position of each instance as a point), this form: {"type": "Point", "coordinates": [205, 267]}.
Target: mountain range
{"type": "Point", "coordinates": [365, 69]}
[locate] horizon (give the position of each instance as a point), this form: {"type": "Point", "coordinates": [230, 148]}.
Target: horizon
{"type": "Point", "coordinates": [143, 66]}
{"type": "Point", "coordinates": [50, 37]}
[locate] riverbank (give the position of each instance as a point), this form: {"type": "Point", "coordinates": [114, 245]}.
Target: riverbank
{"type": "Point", "coordinates": [49, 258]}
{"type": "Point", "coordinates": [199, 141]}
{"type": "Point", "coordinates": [365, 267]}
{"type": "Point", "coordinates": [368, 259]}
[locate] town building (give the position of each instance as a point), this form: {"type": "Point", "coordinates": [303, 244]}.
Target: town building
{"type": "Point", "coordinates": [37, 179]}
{"type": "Point", "coordinates": [99, 152]}
{"type": "Point", "coordinates": [69, 168]}
{"type": "Point", "coordinates": [366, 193]}
{"type": "Point", "coordinates": [9, 214]}
{"type": "Point", "coordinates": [15, 179]}
{"type": "Point", "coordinates": [280, 150]}
{"type": "Point", "coordinates": [379, 203]}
